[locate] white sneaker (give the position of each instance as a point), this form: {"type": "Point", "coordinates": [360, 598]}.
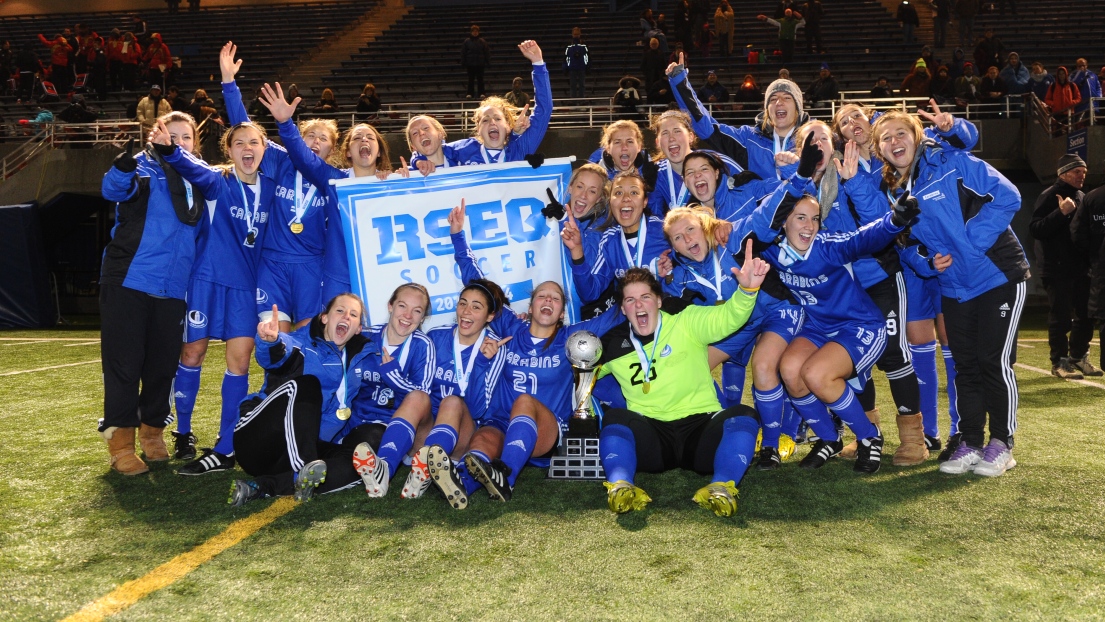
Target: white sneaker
{"type": "Point", "coordinates": [373, 471]}
{"type": "Point", "coordinates": [962, 461]}
{"type": "Point", "coordinates": [996, 460]}
{"type": "Point", "coordinates": [418, 482]}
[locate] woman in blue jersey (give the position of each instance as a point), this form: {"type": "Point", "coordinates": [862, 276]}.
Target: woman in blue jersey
{"type": "Point", "coordinates": [222, 293]}
{"type": "Point", "coordinates": [143, 282]}
{"type": "Point", "coordinates": [426, 137]}
{"type": "Point", "coordinates": [494, 140]}
{"type": "Point", "coordinates": [676, 140]}
{"type": "Point", "coordinates": [295, 436]}
{"type": "Point", "coordinates": [536, 386]}
{"type": "Point", "coordinates": [621, 149]}
{"type": "Point", "coordinates": [588, 197]}
{"type": "Point", "coordinates": [964, 239]}
{"type": "Point", "coordinates": [704, 267]}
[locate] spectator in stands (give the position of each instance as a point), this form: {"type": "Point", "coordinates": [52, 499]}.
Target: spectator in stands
{"type": "Point", "coordinates": [648, 24]}
{"type": "Point", "coordinates": [577, 58]}
{"type": "Point", "coordinates": [908, 20]}
{"type": "Point", "coordinates": [660, 94]}
{"type": "Point", "coordinates": [176, 102]}
{"type": "Point", "coordinates": [1101, 75]}
{"type": "Point", "coordinates": [158, 59]}
{"type": "Point", "coordinates": [824, 87]}
{"type": "Point", "coordinates": [993, 89]}
{"type": "Point", "coordinates": [965, 13]}
{"type": "Point", "coordinates": [1088, 234]}
{"type": "Point", "coordinates": [989, 51]}
{"type": "Point", "coordinates": [78, 112]}
{"type": "Point", "coordinates": [98, 69]}
{"type": "Point", "coordinates": [967, 86]}
{"type": "Point", "coordinates": [1063, 95]}
{"type": "Point", "coordinates": [138, 27]}
{"type": "Point", "coordinates": [193, 5]}
{"type": "Point", "coordinates": [61, 74]}
{"type": "Point", "coordinates": [929, 58]}
{"type": "Point", "coordinates": [675, 54]}
{"type": "Point", "coordinates": [6, 57]}
{"type": "Point", "coordinates": [130, 54]}
{"type": "Point", "coordinates": [327, 103]}
{"type": "Point", "coordinates": [28, 66]}
{"type": "Point", "coordinates": [1039, 80]}
{"type": "Point", "coordinates": [1087, 83]}
{"type": "Point", "coordinates": [942, 86]}
{"type": "Point", "coordinates": [256, 110]}
{"type": "Point", "coordinates": [114, 45]}
{"type": "Point", "coordinates": [788, 26]}
{"type": "Point", "coordinates": [941, 15]}
{"type": "Point", "coordinates": [712, 92]}
{"type": "Point", "coordinates": [653, 63]}
{"type": "Point", "coordinates": [955, 68]}
{"type": "Point", "coordinates": [475, 56]}
{"type": "Point", "coordinates": [782, 6]}
{"type": "Point", "coordinates": [916, 84]}
{"type": "Point", "coordinates": [784, 74]}
{"type": "Point", "coordinates": [724, 24]}
{"type": "Point", "coordinates": [813, 12]}
{"type": "Point", "coordinates": [627, 98]}
{"type": "Point", "coordinates": [151, 107]}
{"type": "Point", "coordinates": [882, 89]}
{"type": "Point", "coordinates": [516, 96]}
{"type": "Point", "coordinates": [683, 29]}
{"type": "Point", "coordinates": [200, 100]}
{"type": "Point", "coordinates": [1015, 75]}
{"type": "Point", "coordinates": [748, 94]}
{"type": "Point", "coordinates": [662, 23]}
{"type": "Point", "coordinates": [1064, 271]}
{"type": "Point", "coordinates": [368, 103]}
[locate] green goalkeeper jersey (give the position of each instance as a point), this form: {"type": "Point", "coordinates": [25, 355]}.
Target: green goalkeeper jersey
{"type": "Point", "coordinates": [679, 382]}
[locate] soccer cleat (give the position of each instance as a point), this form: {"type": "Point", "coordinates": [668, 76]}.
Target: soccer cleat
{"type": "Point", "coordinates": [1085, 366]}
{"type": "Point", "coordinates": [949, 449]}
{"type": "Point", "coordinates": [373, 471]}
{"type": "Point", "coordinates": [621, 497]}
{"type": "Point", "coordinates": [493, 476]}
{"type": "Point", "coordinates": [242, 492]}
{"type": "Point", "coordinates": [997, 458]}
{"type": "Point", "coordinates": [932, 443]}
{"type": "Point", "coordinates": [209, 462]}
{"type": "Point", "coordinates": [418, 481]}
{"type": "Point", "coordinates": [963, 460]}
{"type": "Point", "coordinates": [445, 477]}
{"type": "Point", "coordinates": [184, 446]}
{"type": "Point", "coordinates": [312, 474]}
{"type": "Point", "coordinates": [719, 497]}
{"type": "Point", "coordinates": [802, 435]}
{"type": "Point", "coordinates": [868, 455]}
{"type": "Point", "coordinates": [787, 447]}
{"type": "Point", "coordinates": [1066, 370]}
{"type": "Point", "coordinates": [820, 454]}
{"type": "Point", "coordinates": [769, 459]}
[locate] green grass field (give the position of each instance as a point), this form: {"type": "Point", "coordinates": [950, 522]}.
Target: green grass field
{"type": "Point", "coordinates": [902, 544]}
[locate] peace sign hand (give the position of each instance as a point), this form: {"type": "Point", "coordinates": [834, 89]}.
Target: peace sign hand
{"type": "Point", "coordinates": [274, 101]}
{"type": "Point", "coordinates": [522, 121]}
{"type": "Point", "coordinates": [664, 265]}
{"type": "Point", "coordinates": [456, 219]}
{"type": "Point", "coordinates": [942, 120]}
{"type": "Point", "coordinates": [751, 274]}
{"type": "Point", "coordinates": [385, 358]}
{"type": "Point", "coordinates": [572, 238]}
{"type": "Point", "coordinates": [269, 331]}
{"type": "Point", "coordinates": [490, 347]}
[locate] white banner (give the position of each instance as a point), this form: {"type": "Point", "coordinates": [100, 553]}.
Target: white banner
{"type": "Point", "coordinates": [396, 231]}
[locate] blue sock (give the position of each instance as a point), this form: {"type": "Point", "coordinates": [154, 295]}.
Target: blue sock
{"type": "Point", "coordinates": [735, 451]}
{"type": "Point", "coordinates": [732, 383]}
{"type": "Point", "coordinates": [949, 373]}
{"type": "Point", "coordinates": [619, 453]}
{"type": "Point", "coordinates": [770, 406]}
{"type": "Point", "coordinates": [186, 386]}
{"type": "Point", "coordinates": [608, 393]}
{"type": "Point", "coordinates": [850, 411]}
{"type": "Point", "coordinates": [924, 363]}
{"type": "Point", "coordinates": [234, 391]}
{"type": "Point", "coordinates": [444, 436]}
{"type": "Point", "coordinates": [395, 443]}
{"type": "Point", "coordinates": [521, 436]}
{"type": "Point", "coordinates": [471, 485]}
{"type": "Point", "coordinates": [791, 419]}
{"type": "Point", "coordinates": [816, 416]}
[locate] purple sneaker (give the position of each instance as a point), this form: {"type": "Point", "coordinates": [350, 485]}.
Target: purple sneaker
{"type": "Point", "coordinates": [996, 460]}
{"type": "Point", "coordinates": [963, 460]}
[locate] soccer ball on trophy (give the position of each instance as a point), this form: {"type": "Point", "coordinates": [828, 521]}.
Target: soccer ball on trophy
{"type": "Point", "coordinates": [584, 349]}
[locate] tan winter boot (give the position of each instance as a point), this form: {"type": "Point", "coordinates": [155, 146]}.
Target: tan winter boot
{"type": "Point", "coordinates": [153, 443]}
{"type": "Point", "coordinates": [911, 433]}
{"type": "Point", "coordinates": [849, 451]}
{"type": "Point", "coordinates": [120, 444]}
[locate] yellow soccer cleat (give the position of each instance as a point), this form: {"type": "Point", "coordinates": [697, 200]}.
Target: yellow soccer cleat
{"type": "Point", "coordinates": [622, 497]}
{"type": "Point", "coordinates": [787, 447]}
{"type": "Point", "coordinates": [759, 441]}
{"type": "Point", "coordinates": [719, 497]}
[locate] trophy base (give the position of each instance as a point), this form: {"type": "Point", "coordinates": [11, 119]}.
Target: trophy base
{"type": "Point", "coordinates": [583, 427]}
{"type": "Point", "coordinates": [580, 461]}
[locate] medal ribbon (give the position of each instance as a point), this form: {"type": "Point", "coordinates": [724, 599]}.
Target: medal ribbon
{"type": "Point", "coordinates": [646, 363]}
{"type": "Point", "coordinates": [301, 206]}
{"type": "Point", "coordinates": [641, 231]}
{"type": "Point", "coordinates": [462, 378]}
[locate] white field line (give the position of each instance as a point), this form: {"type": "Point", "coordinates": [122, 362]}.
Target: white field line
{"type": "Point", "coordinates": [1047, 373]}
{"type": "Point", "coordinates": [31, 371]}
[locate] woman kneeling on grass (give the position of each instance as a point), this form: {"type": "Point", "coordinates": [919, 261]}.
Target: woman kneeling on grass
{"type": "Point", "coordinates": [674, 419]}
{"type": "Point", "coordinates": [290, 435]}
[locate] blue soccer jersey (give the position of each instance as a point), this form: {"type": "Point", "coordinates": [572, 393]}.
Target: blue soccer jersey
{"type": "Point", "coordinates": [617, 253]}
{"type": "Point", "coordinates": [466, 373]}
{"type": "Point", "coordinates": [670, 192]}
{"type": "Point", "coordinates": [384, 386]}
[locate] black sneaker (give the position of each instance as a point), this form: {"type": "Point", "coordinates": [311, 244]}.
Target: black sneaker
{"type": "Point", "coordinates": [493, 476]}
{"type": "Point", "coordinates": [184, 446]}
{"type": "Point", "coordinates": [242, 492]}
{"type": "Point", "coordinates": [933, 443]}
{"type": "Point", "coordinates": [446, 477]}
{"type": "Point", "coordinates": [949, 449]}
{"type": "Point", "coordinates": [769, 459]}
{"type": "Point", "coordinates": [820, 454]}
{"type": "Point", "coordinates": [802, 435]}
{"type": "Point", "coordinates": [868, 455]}
{"type": "Point", "coordinates": [209, 462]}
{"type": "Point", "coordinates": [312, 474]}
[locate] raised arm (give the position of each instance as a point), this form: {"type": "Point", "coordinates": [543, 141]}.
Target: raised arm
{"type": "Point", "coordinates": [315, 169]}
{"type": "Point", "coordinates": [527, 142]}
{"type": "Point", "coordinates": [724, 138]}
{"type": "Point", "coordinates": [207, 179]}
{"type": "Point", "coordinates": [235, 110]}
{"type": "Point", "coordinates": [958, 134]}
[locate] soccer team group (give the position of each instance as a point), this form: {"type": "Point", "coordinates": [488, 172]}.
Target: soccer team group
{"type": "Point", "coordinates": [805, 251]}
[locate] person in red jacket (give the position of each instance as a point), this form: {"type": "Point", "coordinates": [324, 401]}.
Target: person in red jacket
{"type": "Point", "coordinates": [1062, 95]}
{"type": "Point", "coordinates": [130, 53]}
{"type": "Point", "coordinates": [157, 57]}
{"type": "Point", "coordinates": [114, 47]}
{"type": "Point", "coordinates": [60, 72]}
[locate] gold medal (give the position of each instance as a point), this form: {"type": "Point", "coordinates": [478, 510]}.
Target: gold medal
{"type": "Point", "coordinates": [344, 413]}
{"type": "Point", "coordinates": [297, 228]}
{"type": "Point", "coordinates": [648, 385]}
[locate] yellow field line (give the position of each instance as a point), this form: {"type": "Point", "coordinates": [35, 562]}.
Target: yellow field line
{"type": "Point", "coordinates": [176, 568]}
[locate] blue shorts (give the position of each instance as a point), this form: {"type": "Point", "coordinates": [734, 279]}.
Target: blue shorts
{"type": "Point", "coordinates": [295, 288]}
{"type": "Point", "coordinates": [219, 312]}
{"type": "Point", "coordinates": [768, 316]}
{"type": "Point", "coordinates": [332, 285]}
{"type": "Point", "coordinates": [864, 347]}
{"type": "Point", "coordinates": [923, 296]}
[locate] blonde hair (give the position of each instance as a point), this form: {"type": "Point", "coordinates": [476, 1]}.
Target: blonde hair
{"type": "Point", "coordinates": [510, 113]}
{"type": "Point", "coordinates": [331, 128]}
{"type": "Point", "coordinates": [182, 117]}
{"type": "Point", "coordinates": [383, 160]}
{"type": "Point", "coordinates": [889, 173]}
{"type": "Point", "coordinates": [804, 131]}
{"type": "Point", "coordinates": [228, 138]}
{"type": "Point", "coordinates": [843, 113]}
{"type": "Point", "coordinates": [434, 122]}
{"type": "Point", "coordinates": [617, 126]}
{"type": "Point", "coordinates": [683, 118]}
{"type": "Point", "coordinates": [694, 211]}
{"type": "Point", "coordinates": [604, 198]}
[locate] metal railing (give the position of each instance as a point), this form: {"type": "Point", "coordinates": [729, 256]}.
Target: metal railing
{"type": "Point", "coordinates": [102, 134]}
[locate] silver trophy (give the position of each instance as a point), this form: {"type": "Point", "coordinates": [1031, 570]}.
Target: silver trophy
{"type": "Point", "coordinates": [584, 349]}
